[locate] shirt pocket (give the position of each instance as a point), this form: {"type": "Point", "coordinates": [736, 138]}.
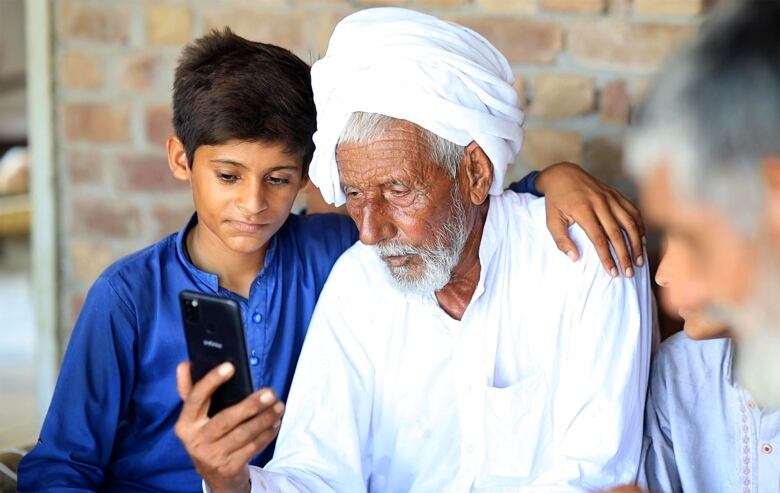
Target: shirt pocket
{"type": "Point", "coordinates": [518, 433]}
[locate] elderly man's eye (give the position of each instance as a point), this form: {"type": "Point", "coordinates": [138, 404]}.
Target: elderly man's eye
{"type": "Point", "coordinates": [399, 191]}
{"type": "Point", "coordinates": [351, 192]}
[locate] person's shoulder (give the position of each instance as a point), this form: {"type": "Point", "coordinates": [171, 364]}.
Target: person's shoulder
{"type": "Point", "coordinates": [137, 270]}
{"type": "Point", "coordinates": [358, 271]}
{"type": "Point", "coordinates": [328, 234]}
{"type": "Point", "coordinates": [679, 356]}
{"type": "Point", "coordinates": [526, 217]}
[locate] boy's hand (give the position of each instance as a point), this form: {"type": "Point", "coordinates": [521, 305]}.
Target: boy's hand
{"type": "Point", "coordinates": [222, 446]}
{"type": "Point", "coordinates": [574, 196]}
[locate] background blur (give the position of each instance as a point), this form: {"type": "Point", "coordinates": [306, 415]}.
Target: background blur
{"type": "Point", "coordinates": [88, 83]}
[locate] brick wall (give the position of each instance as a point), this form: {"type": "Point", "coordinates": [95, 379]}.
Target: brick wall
{"type": "Point", "coordinates": [581, 67]}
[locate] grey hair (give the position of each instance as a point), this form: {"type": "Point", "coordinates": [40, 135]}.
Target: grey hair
{"type": "Point", "coordinates": [365, 127]}
{"type": "Point", "coordinates": [714, 114]}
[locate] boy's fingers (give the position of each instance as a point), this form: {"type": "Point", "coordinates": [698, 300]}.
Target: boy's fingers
{"type": "Point", "coordinates": [633, 211]}
{"type": "Point", "coordinates": [618, 241]}
{"type": "Point", "coordinates": [249, 431]}
{"type": "Point", "coordinates": [197, 401]}
{"type": "Point", "coordinates": [591, 223]}
{"type": "Point", "coordinates": [183, 379]}
{"type": "Point", "coordinates": [595, 232]}
{"type": "Point", "coordinates": [559, 229]}
{"type": "Point", "coordinates": [633, 231]}
{"type": "Point", "coordinates": [245, 454]}
{"type": "Point", "coordinates": [225, 421]}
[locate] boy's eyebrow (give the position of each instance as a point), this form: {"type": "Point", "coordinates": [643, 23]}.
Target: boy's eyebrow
{"type": "Point", "coordinates": [228, 161]}
{"type": "Point", "coordinates": [242, 165]}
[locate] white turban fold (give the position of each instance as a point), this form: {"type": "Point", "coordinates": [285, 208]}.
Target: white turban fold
{"type": "Point", "coordinates": [411, 66]}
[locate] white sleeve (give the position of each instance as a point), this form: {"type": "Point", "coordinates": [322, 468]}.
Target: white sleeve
{"type": "Point", "coordinates": [600, 393]}
{"type": "Point", "coordinates": [325, 431]}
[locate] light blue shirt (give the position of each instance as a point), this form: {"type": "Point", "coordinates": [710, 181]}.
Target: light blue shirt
{"type": "Point", "coordinates": [703, 432]}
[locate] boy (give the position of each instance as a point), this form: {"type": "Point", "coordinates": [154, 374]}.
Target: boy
{"type": "Point", "coordinates": [243, 119]}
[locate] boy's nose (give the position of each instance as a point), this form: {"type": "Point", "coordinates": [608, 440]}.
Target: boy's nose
{"type": "Point", "coordinates": [252, 200]}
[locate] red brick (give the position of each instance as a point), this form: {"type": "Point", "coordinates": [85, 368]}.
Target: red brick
{"type": "Point", "coordinates": [145, 72]}
{"type": "Point", "coordinates": [85, 168]}
{"type": "Point", "coordinates": [543, 147]}
{"type": "Point", "coordinates": [88, 259]}
{"type": "Point", "coordinates": [281, 28]}
{"type": "Point", "coordinates": [669, 7]}
{"type": "Point", "coordinates": [159, 124]}
{"type": "Point", "coordinates": [614, 103]}
{"type": "Point", "coordinates": [575, 6]}
{"type": "Point", "coordinates": [168, 24]}
{"type": "Point", "coordinates": [379, 3]}
{"type": "Point", "coordinates": [96, 122]}
{"type": "Point", "coordinates": [172, 216]}
{"type": "Point", "coordinates": [77, 300]}
{"type": "Point", "coordinates": [561, 96]}
{"type": "Point", "coordinates": [81, 71]}
{"type": "Point", "coordinates": [520, 40]}
{"type": "Point", "coordinates": [522, 97]}
{"type": "Point", "coordinates": [80, 20]}
{"type": "Point", "coordinates": [604, 158]}
{"type": "Point", "coordinates": [105, 217]}
{"type": "Point", "coordinates": [613, 44]}
{"type": "Point", "coordinates": [147, 172]}
{"type": "Point", "coordinates": [507, 6]}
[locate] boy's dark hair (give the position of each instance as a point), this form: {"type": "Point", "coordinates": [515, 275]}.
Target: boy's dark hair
{"type": "Point", "coordinates": [227, 87]}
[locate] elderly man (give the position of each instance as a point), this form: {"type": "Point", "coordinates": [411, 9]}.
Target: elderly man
{"type": "Point", "coordinates": [706, 147]}
{"type": "Point", "coordinates": [454, 348]}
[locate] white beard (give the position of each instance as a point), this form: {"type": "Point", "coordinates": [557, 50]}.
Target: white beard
{"type": "Point", "coordinates": [756, 328]}
{"type": "Point", "coordinates": [437, 261]}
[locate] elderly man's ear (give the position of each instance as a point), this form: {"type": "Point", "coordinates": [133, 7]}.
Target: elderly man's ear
{"type": "Point", "coordinates": [772, 180]}
{"type": "Point", "coordinates": [476, 174]}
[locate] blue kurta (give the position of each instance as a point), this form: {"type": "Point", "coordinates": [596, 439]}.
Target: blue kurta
{"type": "Point", "coordinates": [110, 423]}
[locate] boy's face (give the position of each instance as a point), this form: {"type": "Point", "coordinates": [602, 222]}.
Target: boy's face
{"type": "Point", "coordinates": [243, 191]}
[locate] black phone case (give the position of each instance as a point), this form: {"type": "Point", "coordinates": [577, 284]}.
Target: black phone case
{"type": "Point", "coordinates": [215, 334]}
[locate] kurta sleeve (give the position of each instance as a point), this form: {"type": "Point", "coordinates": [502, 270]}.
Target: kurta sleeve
{"type": "Point", "coordinates": [599, 395]}
{"type": "Point", "coordinates": [92, 392]}
{"type": "Point", "coordinates": [324, 440]}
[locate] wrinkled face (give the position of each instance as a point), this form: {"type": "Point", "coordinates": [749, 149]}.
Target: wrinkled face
{"type": "Point", "coordinates": [407, 207]}
{"type": "Point", "coordinates": [243, 191]}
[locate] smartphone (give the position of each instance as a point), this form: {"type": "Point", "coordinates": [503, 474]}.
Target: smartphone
{"type": "Point", "coordinates": [215, 334]}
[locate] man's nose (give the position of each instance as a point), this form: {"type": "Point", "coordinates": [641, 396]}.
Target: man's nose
{"type": "Point", "coordinates": [374, 224]}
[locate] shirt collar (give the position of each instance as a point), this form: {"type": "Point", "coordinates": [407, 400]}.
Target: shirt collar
{"type": "Point", "coordinates": [209, 279]}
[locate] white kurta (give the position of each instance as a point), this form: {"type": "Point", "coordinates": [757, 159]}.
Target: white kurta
{"type": "Point", "coordinates": [540, 387]}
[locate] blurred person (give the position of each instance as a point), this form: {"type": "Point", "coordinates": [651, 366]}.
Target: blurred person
{"type": "Point", "coordinates": [455, 348]}
{"type": "Point", "coordinates": [705, 147]}
{"type": "Point", "coordinates": [244, 116]}
{"type": "Point", "coordinates": [703, 430]}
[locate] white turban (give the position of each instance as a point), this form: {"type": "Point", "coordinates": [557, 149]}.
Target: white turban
{"type": "Point", "coordinates": [411, 66]}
